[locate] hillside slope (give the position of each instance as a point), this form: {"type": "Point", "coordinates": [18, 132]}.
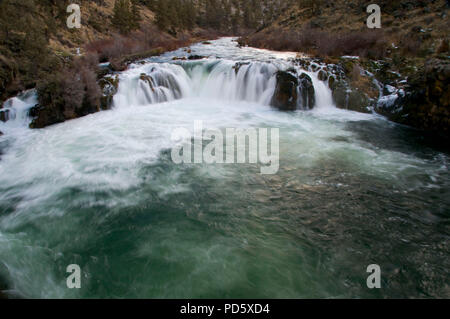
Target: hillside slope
{"type": "Point", "coordinates": [402, 70]}
{"type": "Point", "coordinates": [35, 39]}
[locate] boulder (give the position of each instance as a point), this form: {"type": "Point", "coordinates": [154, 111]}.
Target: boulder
{"type": "Point", "coordinates": [175, 58]}
{"type": "Point", "coordinates": [45, 116]}
{"type": "Point", "coordinates": [350, 98]}
{"type": "Point", "coordinates": [322, 75]}
{"type": "Point", "coordinates": [195, 57]}
{"type": "Point", "coordinates": [4, 115]}
{"type": "Point", "coordinates": [285, 95]}
{"type": "Point", "coordinates": [109, 86]}
{"type": "Point", "coordinates": [238, 66]}
{"type": "Point", "coordinates": [331, 82]}
{"type": "Point", "coordinates": [307, 91]}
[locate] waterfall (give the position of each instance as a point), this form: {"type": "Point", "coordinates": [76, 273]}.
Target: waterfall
{"type": "Point", "coordinates": [324, 97]}
{"type": "Point", "coordinates": [239, 75]}
{"type": "Point", "coordinates": [152, 83]}
{"type": "Point", "coordinates": [215, 79]}
{"type": "Point", "coordinates": [14, 113]}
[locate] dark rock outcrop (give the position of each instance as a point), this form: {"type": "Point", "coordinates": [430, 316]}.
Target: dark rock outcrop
{"type": "Point", "coordinates": [144, 77]}
{"type": "Point", "coordinates": [350, 98]}
{"type": "Point", "coordinates": [285, 96]}
{"type": "Point", "coordinates": [426, 102]}
{"type": "Point", "coordinates": [195, 57]}
{"type": "Point", "coordinates": [322, 75]}
{"type": "Point", "coordinates": [307, 92]}
{"type": "Point", "coordinates": [109, 86]}
{"type": "Point", "coordinates": [239, 65]}
{"type": "Point", "coordinates": [4, 115]}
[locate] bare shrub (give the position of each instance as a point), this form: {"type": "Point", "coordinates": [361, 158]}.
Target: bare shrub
{"type": "Point", "coordinates": [136, 42]}
{"type": "Point", "coordinates": [309, 40]}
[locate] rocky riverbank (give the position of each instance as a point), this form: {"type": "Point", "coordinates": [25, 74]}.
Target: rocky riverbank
{"type": "Point", "coordinates": [419, 97]}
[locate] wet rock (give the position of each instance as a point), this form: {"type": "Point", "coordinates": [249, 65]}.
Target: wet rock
{"type": "Point", "coordinates": [358, 101]}
{"type": "Point", "coordinates": [46, 116]}
{"type": "Point", "coordinates": [322, 75]}
{"type": "Point", "coordinates": [144, 77]}
{"type": "Point", "coordinates": [109, 86]}
{"type": "Point", "coordinates": [285, 96]}
{"type": "Point", "coordinates": [4, 115]}
{"type": "Point", "coordinates": [238, 66]}
{"type": "Point", "coordinates": [331, 82]}
{"type": "Point", "coordinates": [303, 63]}
{"type": "Point", "coordinates": [426, 102]}
{"type": "Point", "coordinates": [350, 99]}
{"type": "Point", "coordinates": [195, 57]}
{"type": "Point", "coordinates": [307, 91]}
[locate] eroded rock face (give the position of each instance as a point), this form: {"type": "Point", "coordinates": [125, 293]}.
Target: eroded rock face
{"type": "Point", "coordinates": [307, 92]}
{"type": "Point", "coordinates": [285, 96]}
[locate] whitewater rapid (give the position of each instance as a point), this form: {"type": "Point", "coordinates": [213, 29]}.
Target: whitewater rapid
{"type": "Point", "coordinates": [220, 79]}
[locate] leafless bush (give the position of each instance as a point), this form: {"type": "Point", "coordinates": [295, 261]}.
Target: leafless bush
{"type": "Point", "coordinates": [363, 43]}
{"type": "Point", "coordinates": [136, 42]}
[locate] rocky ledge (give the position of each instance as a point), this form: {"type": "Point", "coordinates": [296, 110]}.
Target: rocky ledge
{"type": "Point", "coordinates": [419, 99]}
{"type": "Point", "coordinates": [56, 106]}
{"type": "Point", "coordinates": [424, 102]}
{"type": "Point", "coordinates": [293, 91]}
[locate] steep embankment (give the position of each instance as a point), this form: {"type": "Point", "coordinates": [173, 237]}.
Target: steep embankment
{"type": "Point", "coordinates": [35, 40]}
{"type": "Point", "coordinates": [401, 70]}
{"type": "Point", "coordinates": [38, 50]}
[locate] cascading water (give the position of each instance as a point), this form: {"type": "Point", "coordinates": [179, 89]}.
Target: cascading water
{"type": "Point", "coordinates": [102, 192]}
{"type": "Point", "coordinates": [15, 111]}
{"type": "Point", "coordinates": [215, 79]}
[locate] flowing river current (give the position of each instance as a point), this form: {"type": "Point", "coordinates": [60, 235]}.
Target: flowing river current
{"type": "Point", "coordinates": [102, 192]}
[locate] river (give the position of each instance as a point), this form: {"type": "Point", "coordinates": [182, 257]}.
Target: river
{"type": "Point", "coordinates": [102, 192]}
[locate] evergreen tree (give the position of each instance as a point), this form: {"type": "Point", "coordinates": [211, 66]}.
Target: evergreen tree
{"type": "Point", "coordinates": [126, 15]}
{"type": "Point", "coordinates": [135, 15]}
{"type": "Point", "coordinates": [162, 18]}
